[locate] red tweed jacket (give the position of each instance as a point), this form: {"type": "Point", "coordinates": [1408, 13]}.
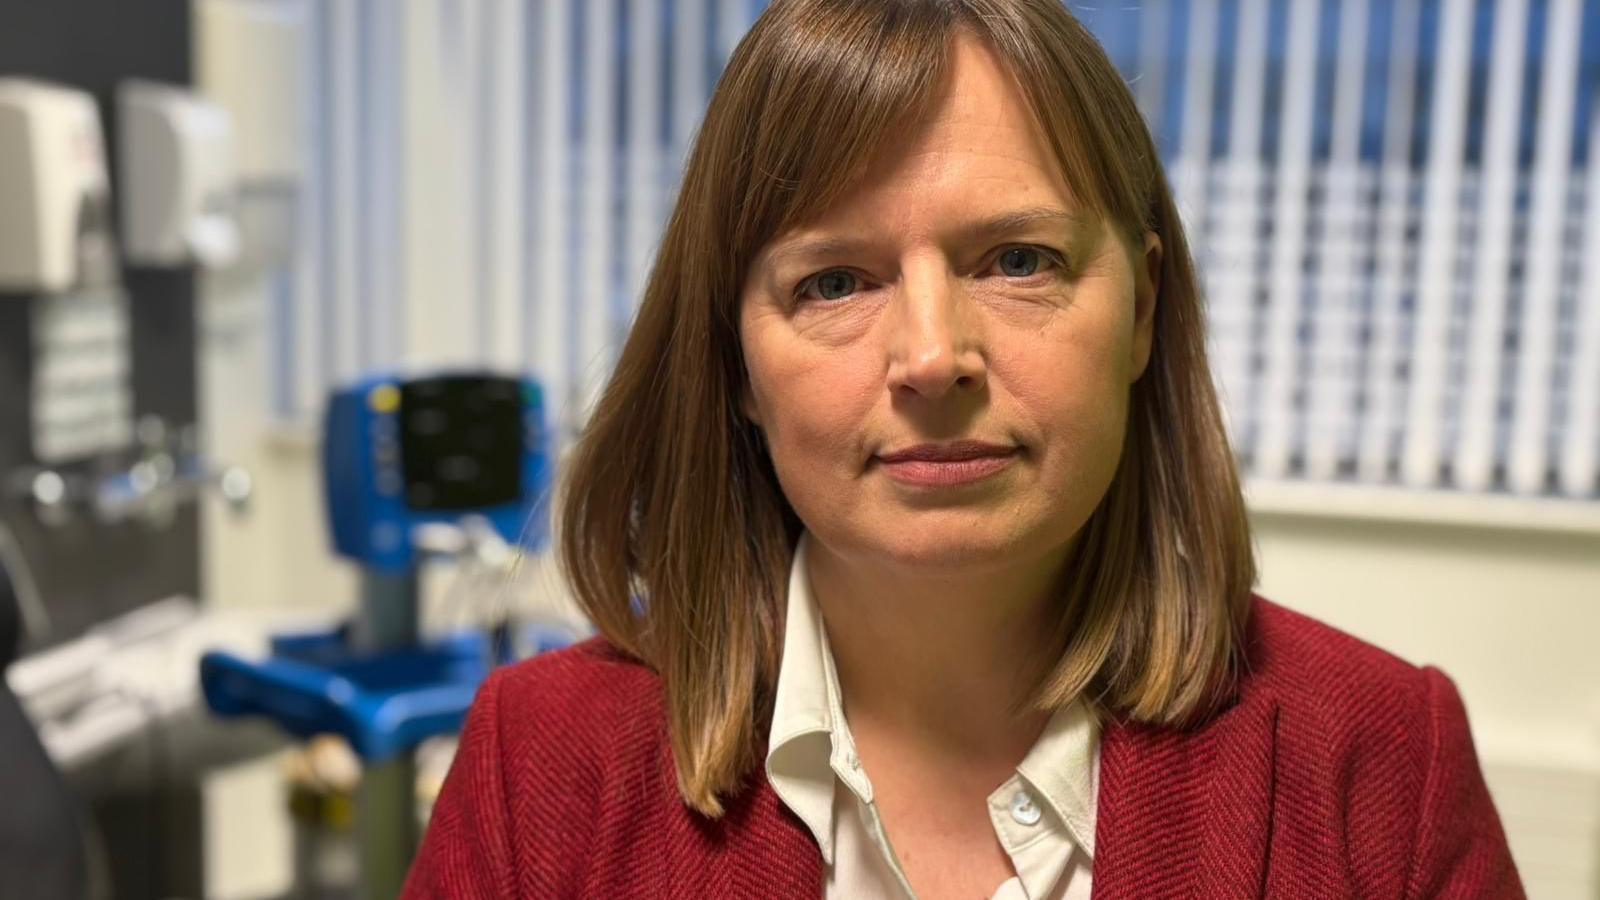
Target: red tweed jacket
{"type": "Point", "coordinates": [1340, 771]}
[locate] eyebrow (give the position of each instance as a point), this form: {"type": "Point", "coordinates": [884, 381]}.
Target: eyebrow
{"type": "Point", "coordinates": [992, 227]}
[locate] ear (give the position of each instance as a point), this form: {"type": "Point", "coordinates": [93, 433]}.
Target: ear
{"type": "Point", "coordinates": [1146, 288]}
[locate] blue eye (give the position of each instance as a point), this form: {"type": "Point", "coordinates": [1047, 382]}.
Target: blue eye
{"type": "Point", "coordinates": [834, 285]}
{"type": "Point", "coordinates": [1019, 262]}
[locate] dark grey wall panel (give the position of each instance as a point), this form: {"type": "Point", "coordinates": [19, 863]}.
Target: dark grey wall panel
{"type": "Point", "coordinates": [87, 571]}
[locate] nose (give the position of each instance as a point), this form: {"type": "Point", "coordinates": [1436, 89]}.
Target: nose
{"type": "Point", "coordinates": [934, 345]}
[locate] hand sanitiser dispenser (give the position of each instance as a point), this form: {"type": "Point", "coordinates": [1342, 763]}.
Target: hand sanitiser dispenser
{"type": "Point", "coordinates": [176, 162]}
{"type": "Point", "coordinates": [55, 196]}
{"type": "Point", "coordinates": [57, 254]}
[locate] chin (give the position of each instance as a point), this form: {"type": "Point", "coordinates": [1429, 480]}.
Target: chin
{"type": "Point", "coordinates": [956, 546]}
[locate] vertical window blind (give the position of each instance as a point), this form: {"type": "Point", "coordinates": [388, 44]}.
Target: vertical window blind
{"type": "Point", "coordinates": [1395, 205]}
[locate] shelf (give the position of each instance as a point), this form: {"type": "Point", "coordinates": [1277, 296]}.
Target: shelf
{"type": "Point", "coordinates": [1385, 503]}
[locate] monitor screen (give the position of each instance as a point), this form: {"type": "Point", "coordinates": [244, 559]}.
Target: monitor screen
{"type": "Point", "coordinates": [461, 442]}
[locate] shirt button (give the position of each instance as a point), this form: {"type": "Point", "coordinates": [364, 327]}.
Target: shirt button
{"type": "Point", "coordinates": [1024, 810]}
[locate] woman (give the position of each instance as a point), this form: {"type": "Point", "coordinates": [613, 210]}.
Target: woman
{"type": "Point", "coordinates": [912, 531]}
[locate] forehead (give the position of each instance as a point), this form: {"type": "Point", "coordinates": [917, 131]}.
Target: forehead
{"type": "Point", "coordinates": [978, 153]}
{"type": "Point", "coordinates": [978, 108]}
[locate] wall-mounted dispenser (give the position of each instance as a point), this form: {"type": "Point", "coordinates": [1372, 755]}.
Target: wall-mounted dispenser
{"type": "Point", "coordinates": [57, 251]}
{"type": "Point", "coordinates": [177, 174]}
{"type": "Point", "coordinates": [54, 191]}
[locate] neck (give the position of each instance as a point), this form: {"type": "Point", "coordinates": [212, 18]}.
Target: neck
{"type": "Point", "coordinates": [939, 659]}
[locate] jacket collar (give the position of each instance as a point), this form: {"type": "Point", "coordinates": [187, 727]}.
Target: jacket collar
{"type": "Point", "coordinates": [1187, 813]}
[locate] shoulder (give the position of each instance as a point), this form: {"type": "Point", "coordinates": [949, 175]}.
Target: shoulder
{"type": "Point", "coordinates": [1354, 721]}
{"type": "Point", "coordinates": [1344, 705]}
{"type": "Point", "coordinates": [580, 743]}
{"type": "Point", "coordinates": [1375, 746]}
{"type": "Point", "coordinates": [555, 753]}
{"type": "Point", "coordinates": [589, 674]}
{"type": "Point", "coordinates": [575, 703]}
{"type": "Point", "coordinates": [1299, 657]}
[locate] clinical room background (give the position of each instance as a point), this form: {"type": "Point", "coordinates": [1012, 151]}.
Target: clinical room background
{"type": "Point", "coordinates": [241, 239]}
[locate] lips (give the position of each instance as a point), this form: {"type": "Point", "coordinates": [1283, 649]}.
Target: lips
{"type": "Point", "coordinates": [956, 452]}
{"type": "Point", "coordinates": [946, 465]}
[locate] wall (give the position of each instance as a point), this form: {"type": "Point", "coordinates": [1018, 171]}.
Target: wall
{"type": "Point", "coordinates": [89, 571]}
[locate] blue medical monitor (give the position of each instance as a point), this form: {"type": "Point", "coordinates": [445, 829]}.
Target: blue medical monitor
{"type": "Point", "coordinates": [401, 452]}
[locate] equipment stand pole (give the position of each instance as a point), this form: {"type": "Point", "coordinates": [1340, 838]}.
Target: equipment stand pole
{"type": "Point", "coordinates": [386, 805]}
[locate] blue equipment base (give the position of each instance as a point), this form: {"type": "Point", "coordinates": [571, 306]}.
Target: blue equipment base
{"type": "Point", "coordinates": [384, 704]}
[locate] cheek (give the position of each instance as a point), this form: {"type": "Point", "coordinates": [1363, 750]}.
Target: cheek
{"type": "Point", "coordinates": [1072, 386]}
{"type": "Point", "coordinates": [813, 404]}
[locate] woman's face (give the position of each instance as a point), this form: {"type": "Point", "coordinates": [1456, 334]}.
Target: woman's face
{"type": "Point", "coordinates": [941, 363]}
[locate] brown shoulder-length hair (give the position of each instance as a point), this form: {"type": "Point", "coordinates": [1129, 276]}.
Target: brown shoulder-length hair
{"type": "Point", "coordinates": [673, 530]}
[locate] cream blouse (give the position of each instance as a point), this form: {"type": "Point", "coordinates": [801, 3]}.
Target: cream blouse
{"type": "Point", "coordinates": [1043, 814]}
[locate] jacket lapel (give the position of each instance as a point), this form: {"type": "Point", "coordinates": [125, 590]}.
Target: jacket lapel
{"type": "Point", "coordinates": [1187, 813]}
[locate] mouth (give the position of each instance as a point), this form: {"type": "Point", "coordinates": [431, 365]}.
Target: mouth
{"type": "Point", "coordinates": [947, 465]}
